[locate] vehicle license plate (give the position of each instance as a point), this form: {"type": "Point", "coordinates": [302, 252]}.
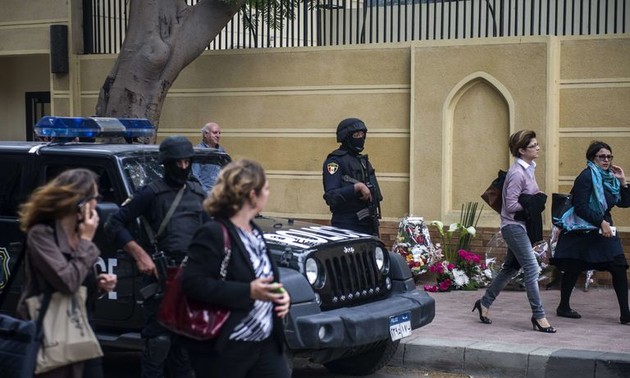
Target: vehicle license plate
{"type": "Point", "coordinates": [400, 326]}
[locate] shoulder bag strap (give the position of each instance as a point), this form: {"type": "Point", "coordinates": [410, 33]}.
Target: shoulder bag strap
{"type": "Point", "coordinates": [227, 253]}
{"type": "Point", "coordinates": [227, 250]}
{"type": "Point", "coordinates": [43, 309]}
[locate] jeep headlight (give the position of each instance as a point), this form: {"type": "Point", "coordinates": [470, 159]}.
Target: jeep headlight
{"type": "Point", "coordinates": [311, 269]}
{"type": "Point", "coordinates": [379, 257]}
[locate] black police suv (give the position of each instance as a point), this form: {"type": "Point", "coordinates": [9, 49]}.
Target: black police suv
{"type": "Point", "coordinates": [352, 300]}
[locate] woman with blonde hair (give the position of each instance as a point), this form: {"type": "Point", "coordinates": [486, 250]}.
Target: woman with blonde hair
{"type": "Point", "coordinates": [251, 341]}
{"type": "Point", "coordinates": [60, 221]}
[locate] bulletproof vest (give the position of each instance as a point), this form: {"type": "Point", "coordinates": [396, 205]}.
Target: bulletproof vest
{"type": "Point", "coordinates": [185, 220]}
{"type": "Point", "coordinates": [355, 166]}
{"type": "Point", "coordinates": [358, 168]}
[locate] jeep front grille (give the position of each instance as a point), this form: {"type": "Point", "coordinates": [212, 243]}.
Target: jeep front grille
{"type": "Point", "coordinates": [351, 278]}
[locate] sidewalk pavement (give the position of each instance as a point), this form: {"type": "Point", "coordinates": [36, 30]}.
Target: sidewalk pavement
{"type": "Point", "coordinates": [595, 346]}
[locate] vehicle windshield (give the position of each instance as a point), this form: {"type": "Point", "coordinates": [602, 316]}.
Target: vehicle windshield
{"type": "Point", "coordinates": [142, 170]}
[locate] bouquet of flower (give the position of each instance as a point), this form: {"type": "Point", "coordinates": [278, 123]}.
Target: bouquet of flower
{"type": "Point", "coordinates": [468, 272]}
{"type": "Point", "coordinates": [444, 276]}
{"type": "Point", "coordinates": [461, 269]}
{"type": "Point", "coordinates": [413, 242]}
{"type": "Point", "coordinates": [465, 231]}
{"type": "Point", "coordinates": [472, 272]}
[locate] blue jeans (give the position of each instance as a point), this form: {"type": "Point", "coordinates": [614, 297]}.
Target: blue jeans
{"type": "Point", "coordinates": [520, 252]}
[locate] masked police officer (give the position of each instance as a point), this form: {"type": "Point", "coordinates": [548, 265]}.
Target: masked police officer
{"type": "Point", "coordinates": [350, 187]}
{"type": "Point", "coordinates": [170, 210]}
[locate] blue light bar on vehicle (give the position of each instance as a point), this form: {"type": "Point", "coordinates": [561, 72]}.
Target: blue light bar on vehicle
{"type": "Point", "coordinates": [93, 127]}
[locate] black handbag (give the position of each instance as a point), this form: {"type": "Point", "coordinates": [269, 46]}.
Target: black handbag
{"type": "Point", "coordinates": [560, 203]}
{"type": "Point", "coordinates": [20, 339]}
{"type": "Point", "coordinates": [493, 196]}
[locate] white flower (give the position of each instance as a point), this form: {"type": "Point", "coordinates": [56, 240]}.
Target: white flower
{"type": "Point", "coordinates": [460, 278]}
{"type": "Point", "coordinates": [437, 223]}
{"type": "Point", "coordinates": [488, 273]}
{"type": "Point", "coordinates": [418, 251]}
{"type": "Point", "coordinates": [454, 227]}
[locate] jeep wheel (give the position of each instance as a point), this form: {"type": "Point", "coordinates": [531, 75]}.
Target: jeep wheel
{"type": "Point", "coordinates": [366, 362]}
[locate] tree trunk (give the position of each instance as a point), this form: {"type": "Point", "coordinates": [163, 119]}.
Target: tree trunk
{"type": "Point", "coordinates": [163, 37]}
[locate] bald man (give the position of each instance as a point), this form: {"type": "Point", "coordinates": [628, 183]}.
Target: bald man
{"type": "Point", "coordinates": [207, 173]}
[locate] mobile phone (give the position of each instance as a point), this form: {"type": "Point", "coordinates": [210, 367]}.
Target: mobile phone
{"type": "Point", "coordinates": [279, 290]}
{"type": "Point", "coordinates": [80, 207]}
{"type": "Point", "coordinates": [613, 230]}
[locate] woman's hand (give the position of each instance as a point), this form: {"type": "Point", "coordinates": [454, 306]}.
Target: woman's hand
{"type": "Point", "coordinates": [265, 289]}
{"type": "Point", "coordinates": [89, 222]}
{"type": "Point", "coordinates": [605, 228]}
{"type": "Point", "coordinates": [283, 303]}
{"type": "Point", "coordinates": [617, 171]}
{"type": "Point", "coordinates": [107, 282]}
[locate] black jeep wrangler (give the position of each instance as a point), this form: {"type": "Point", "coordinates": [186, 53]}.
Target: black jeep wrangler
{"type": "Point", "coordinates": [352, 300]}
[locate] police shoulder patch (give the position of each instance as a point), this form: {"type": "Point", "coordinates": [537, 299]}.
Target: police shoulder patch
{"type": "Point", "coordinates": [332, 168]}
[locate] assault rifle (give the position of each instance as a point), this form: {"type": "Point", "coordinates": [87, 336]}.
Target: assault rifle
{"type": "Point", "coordinates": [374, 206]}
{"type": "Point", "coordinates": [156, 289]}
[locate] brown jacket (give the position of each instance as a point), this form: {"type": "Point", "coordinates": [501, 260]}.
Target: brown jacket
{"type": "Point", "coordinates": [52, 263]}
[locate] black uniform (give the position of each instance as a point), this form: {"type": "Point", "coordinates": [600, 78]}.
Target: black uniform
{"type": "Point", "coordinates": [151, 203]}
{"type": "Point", "coordinates": [342, 169]}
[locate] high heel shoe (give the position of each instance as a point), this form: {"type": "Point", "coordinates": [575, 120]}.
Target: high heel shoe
{"type": "Point", "coordinates": [478, 307]}
{"type": "Point", "coordinates": [537, 327]}
{"type": "Point", "coordinates": [624, 319]}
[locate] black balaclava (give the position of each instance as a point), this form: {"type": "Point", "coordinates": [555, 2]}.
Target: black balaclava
{"type": "Point", "coordinates": [355, 145]}
{"type": "Point", "coordinates": [174, 175]}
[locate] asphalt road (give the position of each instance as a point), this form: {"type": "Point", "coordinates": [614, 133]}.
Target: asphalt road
{"type": "Point", "coordinates": [122, 364]}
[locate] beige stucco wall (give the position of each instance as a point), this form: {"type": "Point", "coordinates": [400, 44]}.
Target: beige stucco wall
{"type": "Point", "coordinates": [18, 75]}
{"type": "Point", "coordinates": [25, 29]}
{"type": "Point", "coordinates": [489, 89]}
{"type": "Point", "coordinates": [594, 104]}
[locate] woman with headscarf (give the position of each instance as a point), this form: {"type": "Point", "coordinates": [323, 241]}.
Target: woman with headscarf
{"type": "Point", "coordinates": [589, 240]}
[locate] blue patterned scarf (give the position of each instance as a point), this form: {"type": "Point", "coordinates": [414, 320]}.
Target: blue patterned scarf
{"type": "Point", "coordinates": [597, 201]}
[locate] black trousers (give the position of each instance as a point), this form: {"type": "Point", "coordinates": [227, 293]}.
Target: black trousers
{"type": "Point", "coordinates": [620, 284]}
{"type": "Point", "coordinates": [240, 359]}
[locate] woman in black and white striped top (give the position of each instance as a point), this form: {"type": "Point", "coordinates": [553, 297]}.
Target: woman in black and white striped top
{"type": "Point", "coordinates": [251, 341]}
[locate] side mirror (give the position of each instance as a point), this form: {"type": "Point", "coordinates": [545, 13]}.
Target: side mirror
{"type": "Point", "coordinates": [105, 209]}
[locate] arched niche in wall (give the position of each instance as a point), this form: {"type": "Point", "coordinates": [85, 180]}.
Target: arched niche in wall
{"type": "Point", "coordinates": [478, 116]}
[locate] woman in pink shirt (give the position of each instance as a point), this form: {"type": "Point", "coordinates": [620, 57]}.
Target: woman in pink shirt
{"type": "Point", "coordinates": [520, 180]}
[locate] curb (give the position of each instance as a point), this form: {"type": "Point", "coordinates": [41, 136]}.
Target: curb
{"type": "Point", "coordinates": [509, 360]}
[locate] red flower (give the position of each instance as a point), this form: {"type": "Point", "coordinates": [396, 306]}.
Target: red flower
{"type": "Point", "coordinates": [431, 288]}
